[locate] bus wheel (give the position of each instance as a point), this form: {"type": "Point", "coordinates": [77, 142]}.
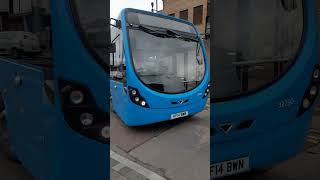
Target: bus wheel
{"type": "Point", "coordinates": [4, 135]}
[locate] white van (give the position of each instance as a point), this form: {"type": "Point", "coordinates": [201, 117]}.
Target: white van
{"type": "Point", "coordinates": [17, 43]}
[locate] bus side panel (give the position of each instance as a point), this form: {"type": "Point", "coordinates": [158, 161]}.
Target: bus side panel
{"type": "Point", "coordinates": [115, 96]}
{"type": "Point", "coordinates": [119, 98]}
{"type": "Point", "coordinates": [29, 114]}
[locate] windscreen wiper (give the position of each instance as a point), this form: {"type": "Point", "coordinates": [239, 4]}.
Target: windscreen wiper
{"type": "Point", "coordinates": [183, 37]}
{"type": "Point", "coordinates": [150, 31]}
{"type": "Point", "coordinates": [198, 53]}
{"type": "Point", "coordinates": [164, 34]}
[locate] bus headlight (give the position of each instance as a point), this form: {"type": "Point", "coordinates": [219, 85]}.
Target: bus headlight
{"type": "Point", "coordinates": [76, 97]}
{"type": "Point", "coordinates": [136, 98]}
{"type": "Point", "coordinates": [207, 92]}
{"type": "Point", "coordinates": [105, 132]}
{"type": "Point", "coordinates": [311, 93]}
{"type": "Point", "coordinates": [86, 119]}
{"type": "Point", "coordinates": [313, 90]}
{"type": "Point", "coordinates": [316, 73]}
{"type": "Point", "coordinates": [81, 111]}
{"type": "Point", "coordinates": [306, 103]}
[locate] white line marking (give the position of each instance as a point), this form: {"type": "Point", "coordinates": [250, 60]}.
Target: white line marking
{"type": "Point", "coordinates": [136, 167]}
{"type": "Point", "coordinates": [314, 137]}
{"type": "Point", "coordinates": [118, 167]}
{"type": "Point", "coordinates": [314, 130]}
{"type": "Point", "coordinates": [312, 141]}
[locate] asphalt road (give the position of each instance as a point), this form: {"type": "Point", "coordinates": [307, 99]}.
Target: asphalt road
{"type": "Point", "coordinates": [170, 150]}
{"type": "Point", "coordinates": [9, 169]}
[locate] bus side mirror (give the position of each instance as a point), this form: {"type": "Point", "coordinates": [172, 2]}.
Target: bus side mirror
{"type": "Point", "coordinates": [116, 24]}
{"type": "Point", "coordinates": [289, 5]}
{"type": "Point", "coordinates": [119, 75]}
{"type": "Point", "coordinates": [207, 28]}
{"type": "Point", "coordinates": [112, 48]}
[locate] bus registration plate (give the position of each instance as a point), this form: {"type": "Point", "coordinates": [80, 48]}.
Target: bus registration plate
{"type": "Point", "coordinates": [179, 115]}
{"type": "Point", "coordinates": [229, 167]}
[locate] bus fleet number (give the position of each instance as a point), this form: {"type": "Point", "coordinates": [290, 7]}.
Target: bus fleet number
{"type": "Point", "coordinates": [286, 103]}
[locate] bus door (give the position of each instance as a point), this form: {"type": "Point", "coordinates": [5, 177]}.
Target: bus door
{"type": "Point", "coordinates": [118, 72]}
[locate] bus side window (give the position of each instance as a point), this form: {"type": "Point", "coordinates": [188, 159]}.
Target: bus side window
{"type": "Point", "coordinates": [116, 58]}
{"type": "Point", "coordinates": [122, 70]}
{"type": "Point", "coordinates": [122, 66]}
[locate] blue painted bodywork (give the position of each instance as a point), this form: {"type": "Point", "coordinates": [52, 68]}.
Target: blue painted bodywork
{"type": "Point", "coordinates": [160, 103]}
{"type": "Point", "coordinates": [277, 133]}
{"type": "Point", "coordinates": [30, 116]}
{"type": "Point", "coordinates": [39, 136]}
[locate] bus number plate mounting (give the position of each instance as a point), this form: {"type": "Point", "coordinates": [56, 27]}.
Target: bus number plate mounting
{"type": "Point", "coordinates": [228, 168]}
{"type": "Point", "coordinates": [179, 115]}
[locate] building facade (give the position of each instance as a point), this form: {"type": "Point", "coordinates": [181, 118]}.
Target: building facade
{"type": "Point", "coordinates": [195, 11]}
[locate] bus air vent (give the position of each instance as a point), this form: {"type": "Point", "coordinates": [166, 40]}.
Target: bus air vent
{"type": "Point", "coordinates": [245, 125]}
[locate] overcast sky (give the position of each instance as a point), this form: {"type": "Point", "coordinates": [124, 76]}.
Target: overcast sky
{"type": "Point", "coordinates": [118, 5]}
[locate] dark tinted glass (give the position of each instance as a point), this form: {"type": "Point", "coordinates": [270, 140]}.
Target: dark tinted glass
{"type": "Point", "coordinates": [117, 62]}
{"type": "Point", "coordinates": [143, 19]}
{"type": "Point", "coordinates": [25, 32]}
{"type": "Point", "coordinates": [93, 25]}
{"type": "Point", "coordinates": [184, 15]}
{"type": "Point", "coordinates": [197, 15]}
{"type": "Point", "coordinates": [254, 42]}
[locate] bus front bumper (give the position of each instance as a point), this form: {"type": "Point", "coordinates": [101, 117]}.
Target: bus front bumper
{"type": "Point", "coordinates": [137, 116]}
{"type": "Point", "coordinates": [264, 149]}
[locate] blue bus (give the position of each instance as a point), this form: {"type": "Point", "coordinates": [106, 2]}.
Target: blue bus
{"type": "Point", "coordinates": [54, 88]}
{"type": "Point", "coordinates": [266, 81]}
{"type": "Point", "coordinates": [159, 68]}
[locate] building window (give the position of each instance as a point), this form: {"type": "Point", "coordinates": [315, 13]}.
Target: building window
{"type": "Point", "coordinates": [184, 14]}
{"type": "Point", "coordinates": [173, 15]}
{"type": "Point", "coordinates": [197, 15]}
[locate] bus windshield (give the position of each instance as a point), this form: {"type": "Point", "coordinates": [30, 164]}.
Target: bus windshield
{"type": "Point", "coordinates": [92, 24]}
{"type": "Point", "coordinates": [255, 43]}
{"type": "Point", "coordinates": [167, 54]}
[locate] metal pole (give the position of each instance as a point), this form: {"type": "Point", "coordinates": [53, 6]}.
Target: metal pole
{"type": "Point", "coordinates": [156, 5]}
{"type": "Point", "coordinates": [151, 6]}
{"type": "Point", "coordinates": [36, 15]}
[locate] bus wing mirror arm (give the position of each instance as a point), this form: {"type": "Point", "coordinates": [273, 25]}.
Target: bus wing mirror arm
{"type": "Point", "coordinates": [117, 23]}
{"type": "Point", "coordinates": [112, 48]}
